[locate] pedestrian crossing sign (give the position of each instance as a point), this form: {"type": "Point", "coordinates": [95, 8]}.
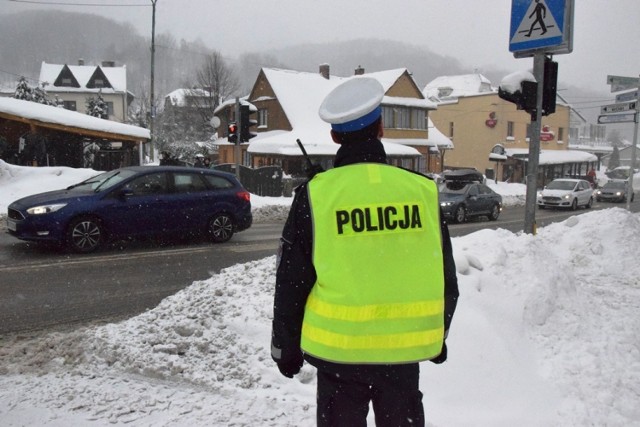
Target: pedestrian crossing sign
{"type": "Point", "coordinates": [541, 25]}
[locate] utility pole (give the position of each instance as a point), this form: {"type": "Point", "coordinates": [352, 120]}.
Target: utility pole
{"type": "Point", "coordinates": [152, 107]}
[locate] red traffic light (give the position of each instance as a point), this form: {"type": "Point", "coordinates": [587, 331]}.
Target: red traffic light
{"type": "Point", "coordinates": [232, 132]}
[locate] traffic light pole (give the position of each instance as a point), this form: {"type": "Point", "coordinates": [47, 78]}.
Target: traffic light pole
{"type": "Point", "coordinates": [534, 147]}
{"type": "Point", "coordinates": [237, 145]}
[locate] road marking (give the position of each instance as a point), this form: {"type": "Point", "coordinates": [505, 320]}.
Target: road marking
{"type": "Point", "coordinates": [129, 256]}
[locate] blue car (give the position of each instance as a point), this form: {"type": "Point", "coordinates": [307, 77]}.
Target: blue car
{"type": "Point", "coordinates": [134, 202]}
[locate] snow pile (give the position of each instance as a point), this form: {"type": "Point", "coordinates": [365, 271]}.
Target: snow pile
{"type": "Point", "coordinates": [545, 335]}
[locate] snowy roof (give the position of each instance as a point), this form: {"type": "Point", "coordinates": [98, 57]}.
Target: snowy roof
{"type": "Point", "coordinates": [445, 87]}
{"type": "Point", "coordinates": [300, 95]}
{"type": "Point", "coordinates": [117, 77]}
{"type": "Point", "coordinates": [555, 157]}
{"type": "Point", "coordinates": [60, 116]}
{"type": "Point", "coordinates": [178, 96]}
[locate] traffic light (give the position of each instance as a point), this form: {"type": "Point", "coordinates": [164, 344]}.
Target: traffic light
{"type": "Point", "coordinates": [232, 132]}
{"type": "Point", "coordinates": [245, 123]}
{"type": "Point", "coordinates": [525, 98]}
{"type": "Point", "coordinates": [550, 87]}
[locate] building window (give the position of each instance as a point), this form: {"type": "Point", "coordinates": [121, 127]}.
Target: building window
{"type": "Point", "coordinates": [98, 83]}
{"type": "Point", "coordinates": [510, 129]}
{"type": "Point", "coordinates": [403, 118]}
{"type": "Point", "coordinates": [560, 134]}
{"type": "Point", "coordinates": [66, 81]}
{"type": "Point", "coordinates": [418, 119]}
{"type": "Point", "coordinates": [263, 116]}
{"type": "Point", "coordinates": [450, 129]}
{"type": "Point", "coordinates": [529, 129]}
{"type": "Point", "coordinates": [69, 105]}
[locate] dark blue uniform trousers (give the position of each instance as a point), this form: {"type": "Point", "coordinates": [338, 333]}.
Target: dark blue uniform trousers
{"type": "Point", "coordinates": [344, 396]}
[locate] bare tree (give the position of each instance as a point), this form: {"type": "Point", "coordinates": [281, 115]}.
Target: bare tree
{"type": "Point", "coordinates": [216, 82]}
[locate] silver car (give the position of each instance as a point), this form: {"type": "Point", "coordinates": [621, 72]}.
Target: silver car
{"type": "Point", "coordinates": [566, 193]}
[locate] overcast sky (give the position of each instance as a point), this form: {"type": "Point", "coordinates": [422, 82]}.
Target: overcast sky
{"type": "Point", "coordinates": [606, 33]}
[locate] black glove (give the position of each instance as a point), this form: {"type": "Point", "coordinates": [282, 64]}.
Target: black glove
{"type": "Point", "coordinates": [291, 366]}
{"type": "Point", "coordinates": [442, 356]}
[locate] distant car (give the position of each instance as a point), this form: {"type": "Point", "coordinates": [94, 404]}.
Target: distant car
{"type": "Point", "coordinates": [134, 202]}
{"type": "Point", "coordinates": [619, 173]}
{"type": "Point", "coordinates": [463, 196]}
{"type": "Point", "coordinates": [614, 191]}
{"type": "Point", "coordinates": [566, 193]}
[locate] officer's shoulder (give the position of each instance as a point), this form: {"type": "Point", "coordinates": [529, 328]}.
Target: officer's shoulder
{"type": "Point", "coordinates": [430, 177]}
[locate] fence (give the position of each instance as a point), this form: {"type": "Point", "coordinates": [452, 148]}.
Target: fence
{"type": "Point", "coordinates": [264, 181]}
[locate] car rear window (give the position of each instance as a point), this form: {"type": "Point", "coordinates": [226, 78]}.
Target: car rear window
{"type": "Point", "coordinates": [218, 182]}
{"type": "Point", "coordinates": [188, 183]}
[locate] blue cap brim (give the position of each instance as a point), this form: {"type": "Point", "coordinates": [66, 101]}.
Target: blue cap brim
{"type": "Point", "coordinates": [359, 123]}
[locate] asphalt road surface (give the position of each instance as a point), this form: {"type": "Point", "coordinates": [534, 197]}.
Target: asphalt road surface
{"type": "Point", "coordinates": [41, 287]}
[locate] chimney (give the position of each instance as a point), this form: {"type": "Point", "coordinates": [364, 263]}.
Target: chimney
{"type": "Point", "coordinates": [81, 61]}
{"type": "Point", "coordinates": [359, 71]}
{"type": "Point", "coordinates": [108, 63]}
{"type": "Point", "coordinates": [324, 71]}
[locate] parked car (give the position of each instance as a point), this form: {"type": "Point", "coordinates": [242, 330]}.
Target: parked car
{"type": "Point", "coordinates": [134, 202]}
{"type": "Point", "coordinates": [463, 196]}
{"type": "Point", "coordinates": [614, 191]}
{"type": "Point", "coordinates": [566, 193]}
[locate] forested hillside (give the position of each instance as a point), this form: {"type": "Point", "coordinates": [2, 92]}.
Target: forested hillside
{"type": "Point", "coordinates": [28, 38]}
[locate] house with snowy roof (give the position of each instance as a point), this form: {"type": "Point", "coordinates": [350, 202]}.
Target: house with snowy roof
{"type": "Point", "coordinates": [485, 128]}
{"type": "Point", "coordinates": [75, 84]}
{"type": "Point", "coordinates": [287, 102]}
{"type": "Point", "coordinates": [44, 135]}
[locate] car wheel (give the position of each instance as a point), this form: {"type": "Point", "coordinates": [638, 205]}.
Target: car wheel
{"type": "Point", "coordinates": [221, 228]}
{"type": "Point", "coordinates": [590, 203]}
{"type": "Point", "coordinates": [574, 204]}
{"type": "Point", "coordinates": [495, 213]}
{"type": "Point", "coordinates": [85, 234]}
{"type": "Point", "coordinates": [461, 214]}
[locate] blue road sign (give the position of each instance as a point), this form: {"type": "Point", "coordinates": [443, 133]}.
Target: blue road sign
{"type": "Point", "coordinates": [541, 25]}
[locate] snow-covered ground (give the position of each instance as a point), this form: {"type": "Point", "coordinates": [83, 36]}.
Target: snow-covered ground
{"type": "Point", "coordinates": [546, 334]}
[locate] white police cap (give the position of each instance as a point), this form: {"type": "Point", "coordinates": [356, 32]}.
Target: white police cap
{"type": "Point", "coordinates": [353, 105]}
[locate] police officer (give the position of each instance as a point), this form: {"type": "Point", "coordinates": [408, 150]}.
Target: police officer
{"type": "Point", "coordinates": [366, 284]}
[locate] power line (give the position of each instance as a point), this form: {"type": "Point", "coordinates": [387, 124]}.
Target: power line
{"type": "Point", "coordinates": [81, 4]}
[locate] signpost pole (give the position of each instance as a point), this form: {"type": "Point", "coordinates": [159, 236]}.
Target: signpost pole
{"type": "Point", "coordinates": [633, 150]}
{"type": "Point", "coordinates": [534, 147]}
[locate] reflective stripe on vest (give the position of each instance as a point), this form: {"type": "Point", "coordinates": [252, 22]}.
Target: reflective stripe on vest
{"type": "Point", "coordinates": [377, 252]}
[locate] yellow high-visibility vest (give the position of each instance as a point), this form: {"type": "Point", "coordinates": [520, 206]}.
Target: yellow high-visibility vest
{"type": "Point", "coordinates": [377, 252]}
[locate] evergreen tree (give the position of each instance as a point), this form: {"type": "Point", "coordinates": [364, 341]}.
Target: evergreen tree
{"type": "Point", "coordinates": [97, 107]}
{"type": "Point", "coordinates": [34, 94]}
{"type": "Point", "coordinates": [614, 160]}
{"type": "Point", "coordinates": [23, 90]}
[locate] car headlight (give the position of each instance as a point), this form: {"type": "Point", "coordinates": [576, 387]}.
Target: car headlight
{"type": "Point", "coordinates": [45, 209]}
{"type": "Point", "coordinates": [598, 192]}
{"type": "Point", "coordinates": [566, 196]}
{"type": "Point", "coordinates": [445, 204]}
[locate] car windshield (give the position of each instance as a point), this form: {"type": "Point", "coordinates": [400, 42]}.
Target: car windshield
{"type": "Point", "coordinates": [616, 185]}
{"type": "Point", "coordinates": [561, 185]}
{"type": "Point", "coordinates": [103, 181]}
{"type": "Point", "coordinates": [454, 187]}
